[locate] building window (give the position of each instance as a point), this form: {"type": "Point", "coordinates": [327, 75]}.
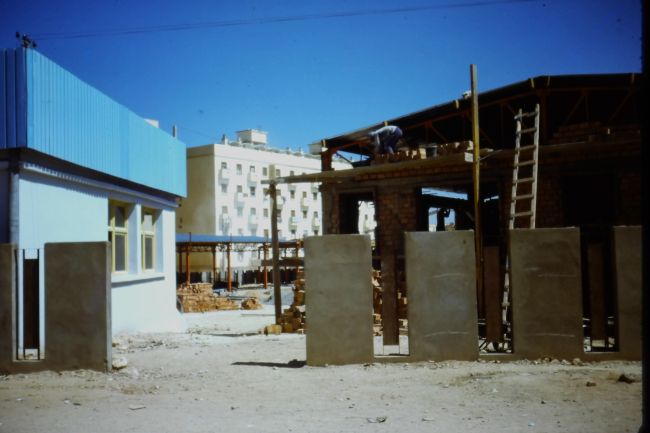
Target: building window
{"type": "Point", "coordinates": [292, 194]}
{"type": "Point", "coordinates": [148, 230]}
{"type": "Point", "coordinates": [315, 232]}
{"type": "Point", "coordinates": [253, 191]}
{"type": "Point", "coordinates": [224, 165]}
{"type": "Point", "coordinates": [304, 214]}
{"type": "Point", "coordinates": [238, 168]}
{"type": "Point", "coordinates": [315, 196]}
{"type": "Point", "coordinates": [304, 194]}
{"type": "Point", "coordinates": [224, 210]}
{"type": "Point", "coordinates": [224, 189]}
{"type": "Point", "coordinates": [252, 169]}
{"type": "Point", "coordinates": [266, 232]}
{"type": "Point", "coordinates": [315, 214]}
{"type": "Point", "coordinates": [240, 212]}
{"type": "Point", "coordinates": [278, 173]}
{"type": "Point", "coordinates": [293, 233]}
{"type": "Point", "coordinates": [240, 188]}
{"type": "Point", "coordinates": [265, 171]}
{"type": "Point", "coordinates": [253, 211]}
{"type": "Point", "coordinates": [240, 232]}
{"type": "Point", "coordinates": [266, 212]}
{"type": "Point", "coordinates": [293, 213]}
{"type": "Point", "coordinates": [118, 234]}
{"type": "Point", "coordinates": [292, 173]}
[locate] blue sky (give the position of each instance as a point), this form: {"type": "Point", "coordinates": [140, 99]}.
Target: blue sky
{"type": "Point", "coordinates": [306, 79]}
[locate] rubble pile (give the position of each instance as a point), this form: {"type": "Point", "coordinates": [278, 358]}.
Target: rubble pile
{"type": "Point", "coordinates": [293, 318]}
{"type": "Point", "coordinates": [251, 304]}
{"type": "Point", "coordinates": [199, 298]}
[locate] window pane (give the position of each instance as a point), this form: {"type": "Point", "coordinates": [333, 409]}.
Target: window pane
{"type": "Point", "coordinates": [148, 252]}
{"type": "Point", "coordinates": [147, 222]}
{"type": "Point", "coordinates": [120, 252]}
{"type": "Point", "coordinates": [120, 216]}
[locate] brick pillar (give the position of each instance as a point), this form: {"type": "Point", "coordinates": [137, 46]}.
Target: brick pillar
{"type": "Point", "coordinates": [396, 213]}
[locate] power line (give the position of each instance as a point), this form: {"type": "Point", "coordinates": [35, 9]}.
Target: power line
{"type": "Point", "coordinates": [194, 131]}
{"type": "Point", "coordinates": [270, 20]}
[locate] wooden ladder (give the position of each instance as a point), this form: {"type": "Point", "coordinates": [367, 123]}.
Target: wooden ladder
{"type": "Point", "coordinates": [523, 200]}
{"type": "Point", "coordinates": [524, 171]}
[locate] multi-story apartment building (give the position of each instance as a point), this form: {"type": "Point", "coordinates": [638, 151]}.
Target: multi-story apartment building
{"type": "Point", "coordinates": [226, 196]}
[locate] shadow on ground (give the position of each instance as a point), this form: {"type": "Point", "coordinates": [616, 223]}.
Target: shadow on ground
{"type": "Point", "coordinates": [294, 363]}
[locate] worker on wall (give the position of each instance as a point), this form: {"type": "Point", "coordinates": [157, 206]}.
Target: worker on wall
{"type": "Point", "coordinates": [384, 140]}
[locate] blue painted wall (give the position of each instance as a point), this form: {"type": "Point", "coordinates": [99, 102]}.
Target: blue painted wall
{"type": "Point", "coordinates": [48, 109]}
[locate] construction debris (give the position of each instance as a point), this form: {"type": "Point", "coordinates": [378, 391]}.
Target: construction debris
{"type": "Point", "coordinates": [293, 318]}
{"type": "Point", "coordinates": [251, 304]}
{"type": "Point", "coordinates": [199, 298]}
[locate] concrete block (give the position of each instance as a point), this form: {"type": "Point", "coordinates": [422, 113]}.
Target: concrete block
{"type": "Point", "coordinates": [627, 269]}
{"type": "Point", "coordinates": [78, 306]}
{"type": "Point", "coordinates": [441, 287]}
{"type": "Point", "coordinates": [338, 299]}
{"type": "Point", "coordinates": [7, 307]}
{"type": "Point", "coordinates": [546, 290]}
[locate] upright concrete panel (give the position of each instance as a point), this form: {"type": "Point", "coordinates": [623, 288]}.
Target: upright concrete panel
{"type": "Point", "coordinates": [338, 280]}
{"type": "Point", "coordinates": [546, 292]}
{"type": "Point", "coordinates": [627, 261]}
{"type": "Point", "coordinates": [7, 306]}
{"type": "Point", "coordinates": [78, 306]}
{"type": "Point", "coordinates": [441, 287]}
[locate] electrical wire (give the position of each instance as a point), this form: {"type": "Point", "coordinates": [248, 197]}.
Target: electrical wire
{"type": "Point", "coordinates": [268, 20]}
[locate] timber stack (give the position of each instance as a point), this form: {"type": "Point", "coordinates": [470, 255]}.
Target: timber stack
{"type": "Point", "coordinates": [199, 298]}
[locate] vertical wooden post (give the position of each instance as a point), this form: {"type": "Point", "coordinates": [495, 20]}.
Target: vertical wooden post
{"type": "Point", "coordinates": [229, 268]}
{"type": "Point", "coordinates": [214, 265]}
{"type": "Point", "coordinates": [476, 178]}
{"type": "Point", "coordinates": [265, 270]}
{"type": "Point", "coordinates": [277, 294]}
{"type": "Point", "coordinates": [187, 264]}
{"type": "Point", "coordinates": [325, 157]}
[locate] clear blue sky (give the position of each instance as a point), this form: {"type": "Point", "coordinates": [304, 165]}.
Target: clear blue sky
{"type": "Point", "coordinates": [306, 79]}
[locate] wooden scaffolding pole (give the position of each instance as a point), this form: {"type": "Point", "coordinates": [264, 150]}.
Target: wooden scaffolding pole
{"type": "Point", "coordinates": [476, 178]}
{"type": "Point", "coordinates": [277, 294]}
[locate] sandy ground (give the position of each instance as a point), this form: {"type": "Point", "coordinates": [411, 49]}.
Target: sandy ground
{"type": "Point", "coordinates": [219, 378]}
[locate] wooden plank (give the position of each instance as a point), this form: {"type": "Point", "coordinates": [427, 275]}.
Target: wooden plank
{"type": "Point", "coordinates": [492, 294]}
{"type": "Point", "coordinates": [595, 262]}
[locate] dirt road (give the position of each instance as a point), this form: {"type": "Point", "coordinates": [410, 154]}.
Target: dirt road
{"type": "Point", "coordinates": [214, 379]}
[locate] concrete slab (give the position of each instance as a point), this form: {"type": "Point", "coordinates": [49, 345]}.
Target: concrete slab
{"type": "Point", "coordinates": [441, 287]}
{"type": "Point", "coordinates": [627, 269]}
{"type": "Point", "coordinates": [546, 293]}
{"type": "Point", "coordinates": [338, 299]}
{"type": "Point", "coordinates": [78, 306]}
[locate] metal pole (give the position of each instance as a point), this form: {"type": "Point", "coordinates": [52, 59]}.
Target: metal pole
{"type": "Point", "coordinates": [476, 178]}
{"type": "Point", "coordinates": [277, 294]}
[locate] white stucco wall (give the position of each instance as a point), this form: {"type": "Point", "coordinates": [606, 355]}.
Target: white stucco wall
{"type": "Point", "coordinates": [54, 207]}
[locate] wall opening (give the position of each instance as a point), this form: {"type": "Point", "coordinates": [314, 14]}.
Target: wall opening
{"type": "Point", "coordinates": [29, 329]}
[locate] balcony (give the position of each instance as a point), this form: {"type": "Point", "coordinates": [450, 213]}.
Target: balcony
{"type": "Point", "coordinates": [314, 187]}
{"type": "Point", "coordinates": [293, 223]}
{"type": "Point", "coordinates": [224, 175]}
{"type": "Point", "coordinates": [304, 203]}
{"type": "Point", "coordinates": [253, 179]}
{"type": "Point", "coordinates": [240, 199]}
{"type": "Point", "coordinates": [315, 223]}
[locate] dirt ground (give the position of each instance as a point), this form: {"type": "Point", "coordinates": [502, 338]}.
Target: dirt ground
{"type": "Point", "coordinates": [219, 378]}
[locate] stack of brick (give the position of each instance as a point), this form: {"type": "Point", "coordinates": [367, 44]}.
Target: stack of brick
{"type": "Point", "coordinates": [376, 302]}
{"type": "Point", "coordinates": [400, 155]}
{"type": "Point", "coordinates": [455, 147]}
{"type": "Point", "coordinates": [199, 298]}
{"type": "Point", "coordinates": [293, 318]}
{"type": "Point", "coordinates": [251, 304]}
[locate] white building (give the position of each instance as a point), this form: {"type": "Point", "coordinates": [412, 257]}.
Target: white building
{"type": "Point", "coordinates": [226, 196]}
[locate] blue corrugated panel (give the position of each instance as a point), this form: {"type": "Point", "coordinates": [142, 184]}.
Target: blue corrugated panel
{"type": "Point", "coordinates": [12, 99]}
{"type": "Point", "coordinates": [71, 120]}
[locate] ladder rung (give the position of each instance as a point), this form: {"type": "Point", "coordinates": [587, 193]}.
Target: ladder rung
{"type": "Point", "coordinates": [524, 148]}
{"type": "Point", "coordinates": [524, 180]}
{"type": "Point", "coordinates": [525, 163]}
{"type": "Point", "coordinates": [523, 197]}
{"type": "Point", "coordinates": [520, 214]}
{"type": "Point", "coordinates": [531, 114]}
{"type": "Point", "coordinates": [527, 130]}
